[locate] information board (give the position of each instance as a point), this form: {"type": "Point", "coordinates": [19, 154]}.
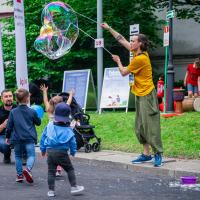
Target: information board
{"type": "Point", "coordinates": [115, 90]}
{"type": "Point", "coordinates": [79, 81]}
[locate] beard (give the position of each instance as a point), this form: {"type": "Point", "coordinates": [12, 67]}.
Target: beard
{"type": "Point", "coordinates": [8, 103]}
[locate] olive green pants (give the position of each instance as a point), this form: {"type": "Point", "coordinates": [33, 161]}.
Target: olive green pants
{"type": "Point", "coordinates": [147, 121]}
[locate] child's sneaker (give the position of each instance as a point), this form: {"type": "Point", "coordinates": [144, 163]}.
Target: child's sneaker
{"type": "Point", "coordinates": [158, 160]}
{"type": "Point", "coordinates": [59, 171]}
{"type": "Point", "coordinates": [51, 193]}
{"type": "Point", "coordinates": [76, 189]}
{"type": "Point", "coordinates": [27, 174]}
{"type": "Point", "coordinates": [141, 159]}
{"type": "Point", "coordinates": [19, 178]}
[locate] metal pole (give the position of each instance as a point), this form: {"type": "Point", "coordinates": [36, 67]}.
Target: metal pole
{"type": "Point", "coordinates": [170, 70]}
{"type": "Point", "coordinates": [99, 52]}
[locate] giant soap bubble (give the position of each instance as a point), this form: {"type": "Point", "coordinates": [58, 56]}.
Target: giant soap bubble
{"type": "Point", "coordinates": [59, 30]}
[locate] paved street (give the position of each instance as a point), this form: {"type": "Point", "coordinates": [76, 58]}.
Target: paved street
{"type": "Point", "coordinates": [101, 183]}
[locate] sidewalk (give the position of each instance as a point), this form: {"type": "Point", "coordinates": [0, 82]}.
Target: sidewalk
{"type": "Point", "coordinates": [174, 168]}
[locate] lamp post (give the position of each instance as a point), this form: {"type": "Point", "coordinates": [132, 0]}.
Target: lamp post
{"type": "Point", "coordinates": [170, 69]}
{"type": "Point", "coordinates": [99, 52]}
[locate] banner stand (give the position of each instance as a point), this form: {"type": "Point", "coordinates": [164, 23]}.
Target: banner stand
{"type": "Point", "coordinates": [115, 90]}
{"type": "Point", "coordinates": [78, 80]}
{"type": "Point", "coordinates": [2, 80]}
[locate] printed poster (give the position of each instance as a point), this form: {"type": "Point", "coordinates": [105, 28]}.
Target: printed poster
{"type": "Point", "coordinates": [20, 39]}
{"type": "Point", "coordinates": [115, 90]}
{"type": "Point", "coordinates": [79, 81]}
{"type": "Point", "coordinates": [2, 81]}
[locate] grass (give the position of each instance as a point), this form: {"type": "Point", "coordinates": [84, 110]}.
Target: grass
{"type": "Point", "coordinates": [180, 135]}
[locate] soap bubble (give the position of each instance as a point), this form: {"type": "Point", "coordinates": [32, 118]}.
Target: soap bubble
{"type": "Point", "coordinates": [59, 31]}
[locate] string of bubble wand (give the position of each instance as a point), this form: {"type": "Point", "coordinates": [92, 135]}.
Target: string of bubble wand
{"type": "Point", "coordinates": [93, 39]}
{"type": "Point", "coordinates": [86, 32]}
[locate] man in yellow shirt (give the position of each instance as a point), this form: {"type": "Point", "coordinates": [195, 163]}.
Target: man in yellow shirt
{"type": "Point", "coordinates": [147, 121]}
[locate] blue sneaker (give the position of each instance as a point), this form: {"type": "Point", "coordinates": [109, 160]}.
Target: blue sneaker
{"type": "Point", "coordinates": [158, 160]}
{"type": "Point", "coordinates": [141, 159]}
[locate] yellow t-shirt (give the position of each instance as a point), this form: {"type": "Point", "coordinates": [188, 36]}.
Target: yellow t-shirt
{"type": "Point", "coordinates": [140, 66]}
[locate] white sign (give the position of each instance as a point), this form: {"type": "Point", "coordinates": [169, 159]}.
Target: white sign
{"type": "Point", "coordinates": [115, 90]}
{"type": "Point", "coordinates": [77, 80]}
{"type": "Point", "coordinates": [99, 42]}
{"type": "Point", "coordinates": [134, 29]}
{"type": "Point", "coordinates": [166, 36]}
{"type": "Point", "coordinates": [20, 39]}
{"type": "Point", "coordinates": [2, 81]}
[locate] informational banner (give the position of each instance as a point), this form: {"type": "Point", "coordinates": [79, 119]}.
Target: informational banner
{"type": "Point", "coordinates": [20, 40]}
{"type": "Point", "coordinates": [2, 80]}
{"type": "Point", "coordinates": [77, 80]}
{"type": "Point", "coordinates": [115, 90]}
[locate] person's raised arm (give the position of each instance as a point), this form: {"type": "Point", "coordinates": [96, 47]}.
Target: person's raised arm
{"type": "Point", "coordinates": [117, 36]}
{"type": "Point", "coordinates": [71, 94]}
{"type": "Point", "coordinates": [45, 96]}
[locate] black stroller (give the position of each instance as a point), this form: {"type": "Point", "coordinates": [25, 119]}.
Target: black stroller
{"type": "Point", "coordinates": [83, 131]}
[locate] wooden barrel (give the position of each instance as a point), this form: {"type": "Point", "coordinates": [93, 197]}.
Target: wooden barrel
{"type": "Point", "coordinates": [178, 94]}
{"type": "Point", "coordinates": [196, 104]}
{"type": "Point", "coordinates": [188, 104]}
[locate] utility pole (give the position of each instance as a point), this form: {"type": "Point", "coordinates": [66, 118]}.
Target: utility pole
{"type": "Point", "coordinates": [99, 52]}
{"type": "Point", "coordinates": [170, 69]}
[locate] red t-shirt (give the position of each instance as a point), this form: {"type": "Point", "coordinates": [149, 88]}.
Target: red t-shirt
{"type": "Point", "coordinates": [193, 74]}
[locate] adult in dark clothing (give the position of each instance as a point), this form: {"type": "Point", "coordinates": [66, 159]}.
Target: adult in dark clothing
{"type": "Point", "coordinates": [36, 95]}
{"type": "Point", "coordinates": [7, 100]}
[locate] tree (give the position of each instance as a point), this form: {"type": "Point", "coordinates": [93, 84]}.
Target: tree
{"type": "Point", "coordinates": [118, 13]}
{"type": "Point", "coordinates": [185, 9]}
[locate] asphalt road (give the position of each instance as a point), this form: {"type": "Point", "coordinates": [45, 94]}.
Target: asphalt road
{"type": "Point", "coordinates": [101, 183]}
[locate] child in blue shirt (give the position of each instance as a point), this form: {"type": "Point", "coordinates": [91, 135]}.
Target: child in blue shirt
{"type": "Point", "coordinates": [56, 140]}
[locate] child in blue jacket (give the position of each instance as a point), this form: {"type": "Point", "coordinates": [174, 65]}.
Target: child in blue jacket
{"type": "Point", "coordinates": [21, 132]}
{"type": "Point", "coordinates": [56, 140]}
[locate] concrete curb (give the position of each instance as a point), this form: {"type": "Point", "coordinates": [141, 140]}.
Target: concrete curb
{"type": "Point", "coordinates": [159, 171]}
{"type": "Point", "coordinates": [174, 168]}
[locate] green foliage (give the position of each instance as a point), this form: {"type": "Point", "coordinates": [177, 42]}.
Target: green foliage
{"type": "Point", "coordinates": [180, 135]}
{"type": "Point", "coordinates": [185, 9]}
{"type": "Point", "coordinates": [82, 54]}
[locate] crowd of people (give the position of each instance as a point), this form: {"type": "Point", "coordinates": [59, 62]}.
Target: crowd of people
{"type": "Point", "coordinates": [17, 130]}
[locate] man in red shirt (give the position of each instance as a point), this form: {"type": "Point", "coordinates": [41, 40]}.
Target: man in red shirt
{"type": "Point", "coordinates": [192, 78]}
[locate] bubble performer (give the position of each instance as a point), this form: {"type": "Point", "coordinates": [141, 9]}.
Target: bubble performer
{"type": "Point", "coordinates": [147, 121]}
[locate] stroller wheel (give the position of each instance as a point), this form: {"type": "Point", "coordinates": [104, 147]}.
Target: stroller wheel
{"type": "Point", "coordinates": [95, 146]}
{"type": "Point", "coordinates": [88, 148]}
